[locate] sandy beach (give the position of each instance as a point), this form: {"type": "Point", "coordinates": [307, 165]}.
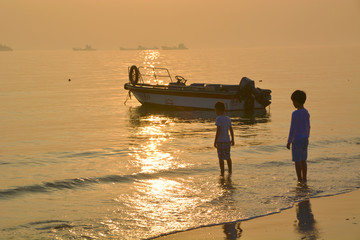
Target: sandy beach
{"type": "Point", "coordinates": [334, 217]}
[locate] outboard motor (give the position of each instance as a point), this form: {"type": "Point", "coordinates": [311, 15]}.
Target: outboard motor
{"type": "Point", "coordinates": [245, 82]}
{"type": "Point", "coordinates": [263, 96]}
{"type": "Point", "coordinates": [249, 94]}
{"type": "Point", "coordinates": [246, 91]}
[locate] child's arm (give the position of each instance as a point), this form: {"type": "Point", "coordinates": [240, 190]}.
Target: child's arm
{"type": "Point", "coordinates": [217, 135]}
{"type": "Point", "coordinates": [291, 132]}
{"type": "Point", "coordinates": [232, 136]}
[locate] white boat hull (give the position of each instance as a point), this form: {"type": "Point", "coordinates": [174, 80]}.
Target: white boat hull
{"type": "Point", "coordinates": [191, 102]}
{"type": "Point", "coordinates": [197, 95]}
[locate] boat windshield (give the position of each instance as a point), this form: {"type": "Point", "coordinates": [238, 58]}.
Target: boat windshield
{"type": "Point", "coordinates": [158, 76]}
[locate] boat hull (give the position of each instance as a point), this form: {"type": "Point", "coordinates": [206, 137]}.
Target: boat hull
{"type": "Point", "coordinates": [184, 99]}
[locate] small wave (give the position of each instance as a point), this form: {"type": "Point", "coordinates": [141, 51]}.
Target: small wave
{"type": "Point", "coordinates": [342, 159]}
{"type": "Point", "coordinates": [47, 222]}
{"type": "Point", "coordinates": [95, 153]}
{"type": "Point", "coordinates": [44, 187]}
{"type": "Point", "coordinates": [43, 225]}
{"type": "Point", "coordinates": [274, 164]}
{"type": "Point", "coordinates": [50, 224]}
{"type": "Point", "coordinates": [337, 141]}
{"type": "Point", "coordinates": [63, 185]}
{"type": "Point", "coordinates": [75, 183]}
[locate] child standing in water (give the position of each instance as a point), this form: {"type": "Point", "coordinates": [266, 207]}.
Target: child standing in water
{"type": "Point", "coordinates": [299, 135]}
{"type": "Point", "coordinates": [222, 139]}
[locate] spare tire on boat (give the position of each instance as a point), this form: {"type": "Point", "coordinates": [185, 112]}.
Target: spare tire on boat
{"type": "Point", "coordinates": [134, 75]}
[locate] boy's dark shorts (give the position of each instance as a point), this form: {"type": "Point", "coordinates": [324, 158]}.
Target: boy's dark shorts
{"type": "Point", "coordinates": [223, 150]}
{"type": "Point", "coordinates": [299, 150]}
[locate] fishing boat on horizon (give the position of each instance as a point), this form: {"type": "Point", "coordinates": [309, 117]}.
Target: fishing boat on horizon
{"type": "Point", "coordinates": [5, 48]}
{"type": "Point", "coordinates": [181, 46]}
{"type": "Point", "coordinates": [87, 48]}
{"type": "Point", "coordinates": [155, 86]}
{"type": "Point", "coordinates": [140, 48]}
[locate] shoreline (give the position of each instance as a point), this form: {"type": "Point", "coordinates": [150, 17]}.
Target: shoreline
{"type": "Point", "coordinates": [328, 217]}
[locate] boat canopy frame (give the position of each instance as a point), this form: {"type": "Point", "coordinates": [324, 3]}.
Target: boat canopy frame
{"type": "Point", "coordinates": [154, 73]}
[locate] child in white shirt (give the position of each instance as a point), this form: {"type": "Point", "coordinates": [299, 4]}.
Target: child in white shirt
{"type": "Point", "coordinates": [222, 139]}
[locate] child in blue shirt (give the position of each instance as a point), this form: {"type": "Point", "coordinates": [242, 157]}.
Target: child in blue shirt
{"type": "Point", "coordinates": [299, 135]}
{"type": "Point", "coordinates": [222, 139]}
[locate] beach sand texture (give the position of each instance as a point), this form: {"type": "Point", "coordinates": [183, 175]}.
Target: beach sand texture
{"type": "Point", "coordinates": [335, 217]}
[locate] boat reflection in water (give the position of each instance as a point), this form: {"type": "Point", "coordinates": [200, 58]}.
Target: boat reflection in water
{"type": "Point", "coordinates": [245, 117]}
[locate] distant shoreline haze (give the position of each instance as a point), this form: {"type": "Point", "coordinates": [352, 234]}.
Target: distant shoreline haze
{"type": "Point", "coordinates": [201, 24]}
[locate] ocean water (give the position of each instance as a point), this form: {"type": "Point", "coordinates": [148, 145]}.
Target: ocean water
{"type": "Point", "coordinates": [78, 163]}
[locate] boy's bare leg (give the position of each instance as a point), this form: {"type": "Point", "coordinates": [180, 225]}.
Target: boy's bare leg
{"type": "Point", "coordinates": [298, 171]}
{"type": "Point", "coordinates": [304, 170]}
{"type": "Point", "coordinates": [222, 167]}
{"type": "Point", "coordinates": [229, 163]}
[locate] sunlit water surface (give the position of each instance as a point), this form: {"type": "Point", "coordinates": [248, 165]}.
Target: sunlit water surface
{"type": "Point", "coordinates": [76, 162]}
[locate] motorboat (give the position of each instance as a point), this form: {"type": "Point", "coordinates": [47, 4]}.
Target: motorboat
{"type": "Point", "coordinates": [155, 86]}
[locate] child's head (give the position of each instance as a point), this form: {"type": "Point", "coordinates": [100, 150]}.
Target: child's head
{"type": "Point", "coordinates": [298, 97]}
{"type": "Point", "coordinates": [219, 108]}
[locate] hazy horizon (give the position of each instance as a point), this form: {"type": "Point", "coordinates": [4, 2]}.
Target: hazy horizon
{"type": "Point", "coordinates": [110, 24]}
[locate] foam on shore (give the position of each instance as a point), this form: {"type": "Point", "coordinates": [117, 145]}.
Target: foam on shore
{"type": "Point", "coordinates": [334, 217]}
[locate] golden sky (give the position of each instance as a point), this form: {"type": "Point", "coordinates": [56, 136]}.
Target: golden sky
{"type": "Point", "coordinates": [109, 24]}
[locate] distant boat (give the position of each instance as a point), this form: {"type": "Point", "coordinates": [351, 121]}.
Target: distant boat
{"type": "Point", "coordinates": [181, 46]}
{"type": "Point", "coordinates": [87, 48]}
{"type": "Point", "coordinates": [5, 48]}
{"type": "Point", "coordinates": [138, 48]}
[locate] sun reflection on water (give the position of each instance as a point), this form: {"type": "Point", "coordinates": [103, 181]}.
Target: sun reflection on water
{"type": "Point", "coordinates": [165, 204]}
{"type": "Point", "coordinates": [151, 60]}
{"type": "Point", "coordinates": [165, 201]}
{"type": "Point", "coordinates": [151, 153]}
{"type": "Point", "coordinates": [169, 198]}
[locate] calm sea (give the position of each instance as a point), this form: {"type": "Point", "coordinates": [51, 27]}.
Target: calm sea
{"type": "Point", "coordinates": [76, 162]}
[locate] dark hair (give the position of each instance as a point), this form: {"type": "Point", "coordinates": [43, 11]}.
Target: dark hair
{"type": "Point", "coordinates": [299, 96]}
{"type": "Point", "coordinates": [220, 106]}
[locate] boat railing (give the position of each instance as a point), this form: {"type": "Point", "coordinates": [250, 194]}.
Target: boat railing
{"type": "Point", "coordinates": [154, 74]}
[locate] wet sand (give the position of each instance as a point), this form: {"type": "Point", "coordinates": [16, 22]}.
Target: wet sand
{"type": "Point", "coordinates": [334, 217]}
